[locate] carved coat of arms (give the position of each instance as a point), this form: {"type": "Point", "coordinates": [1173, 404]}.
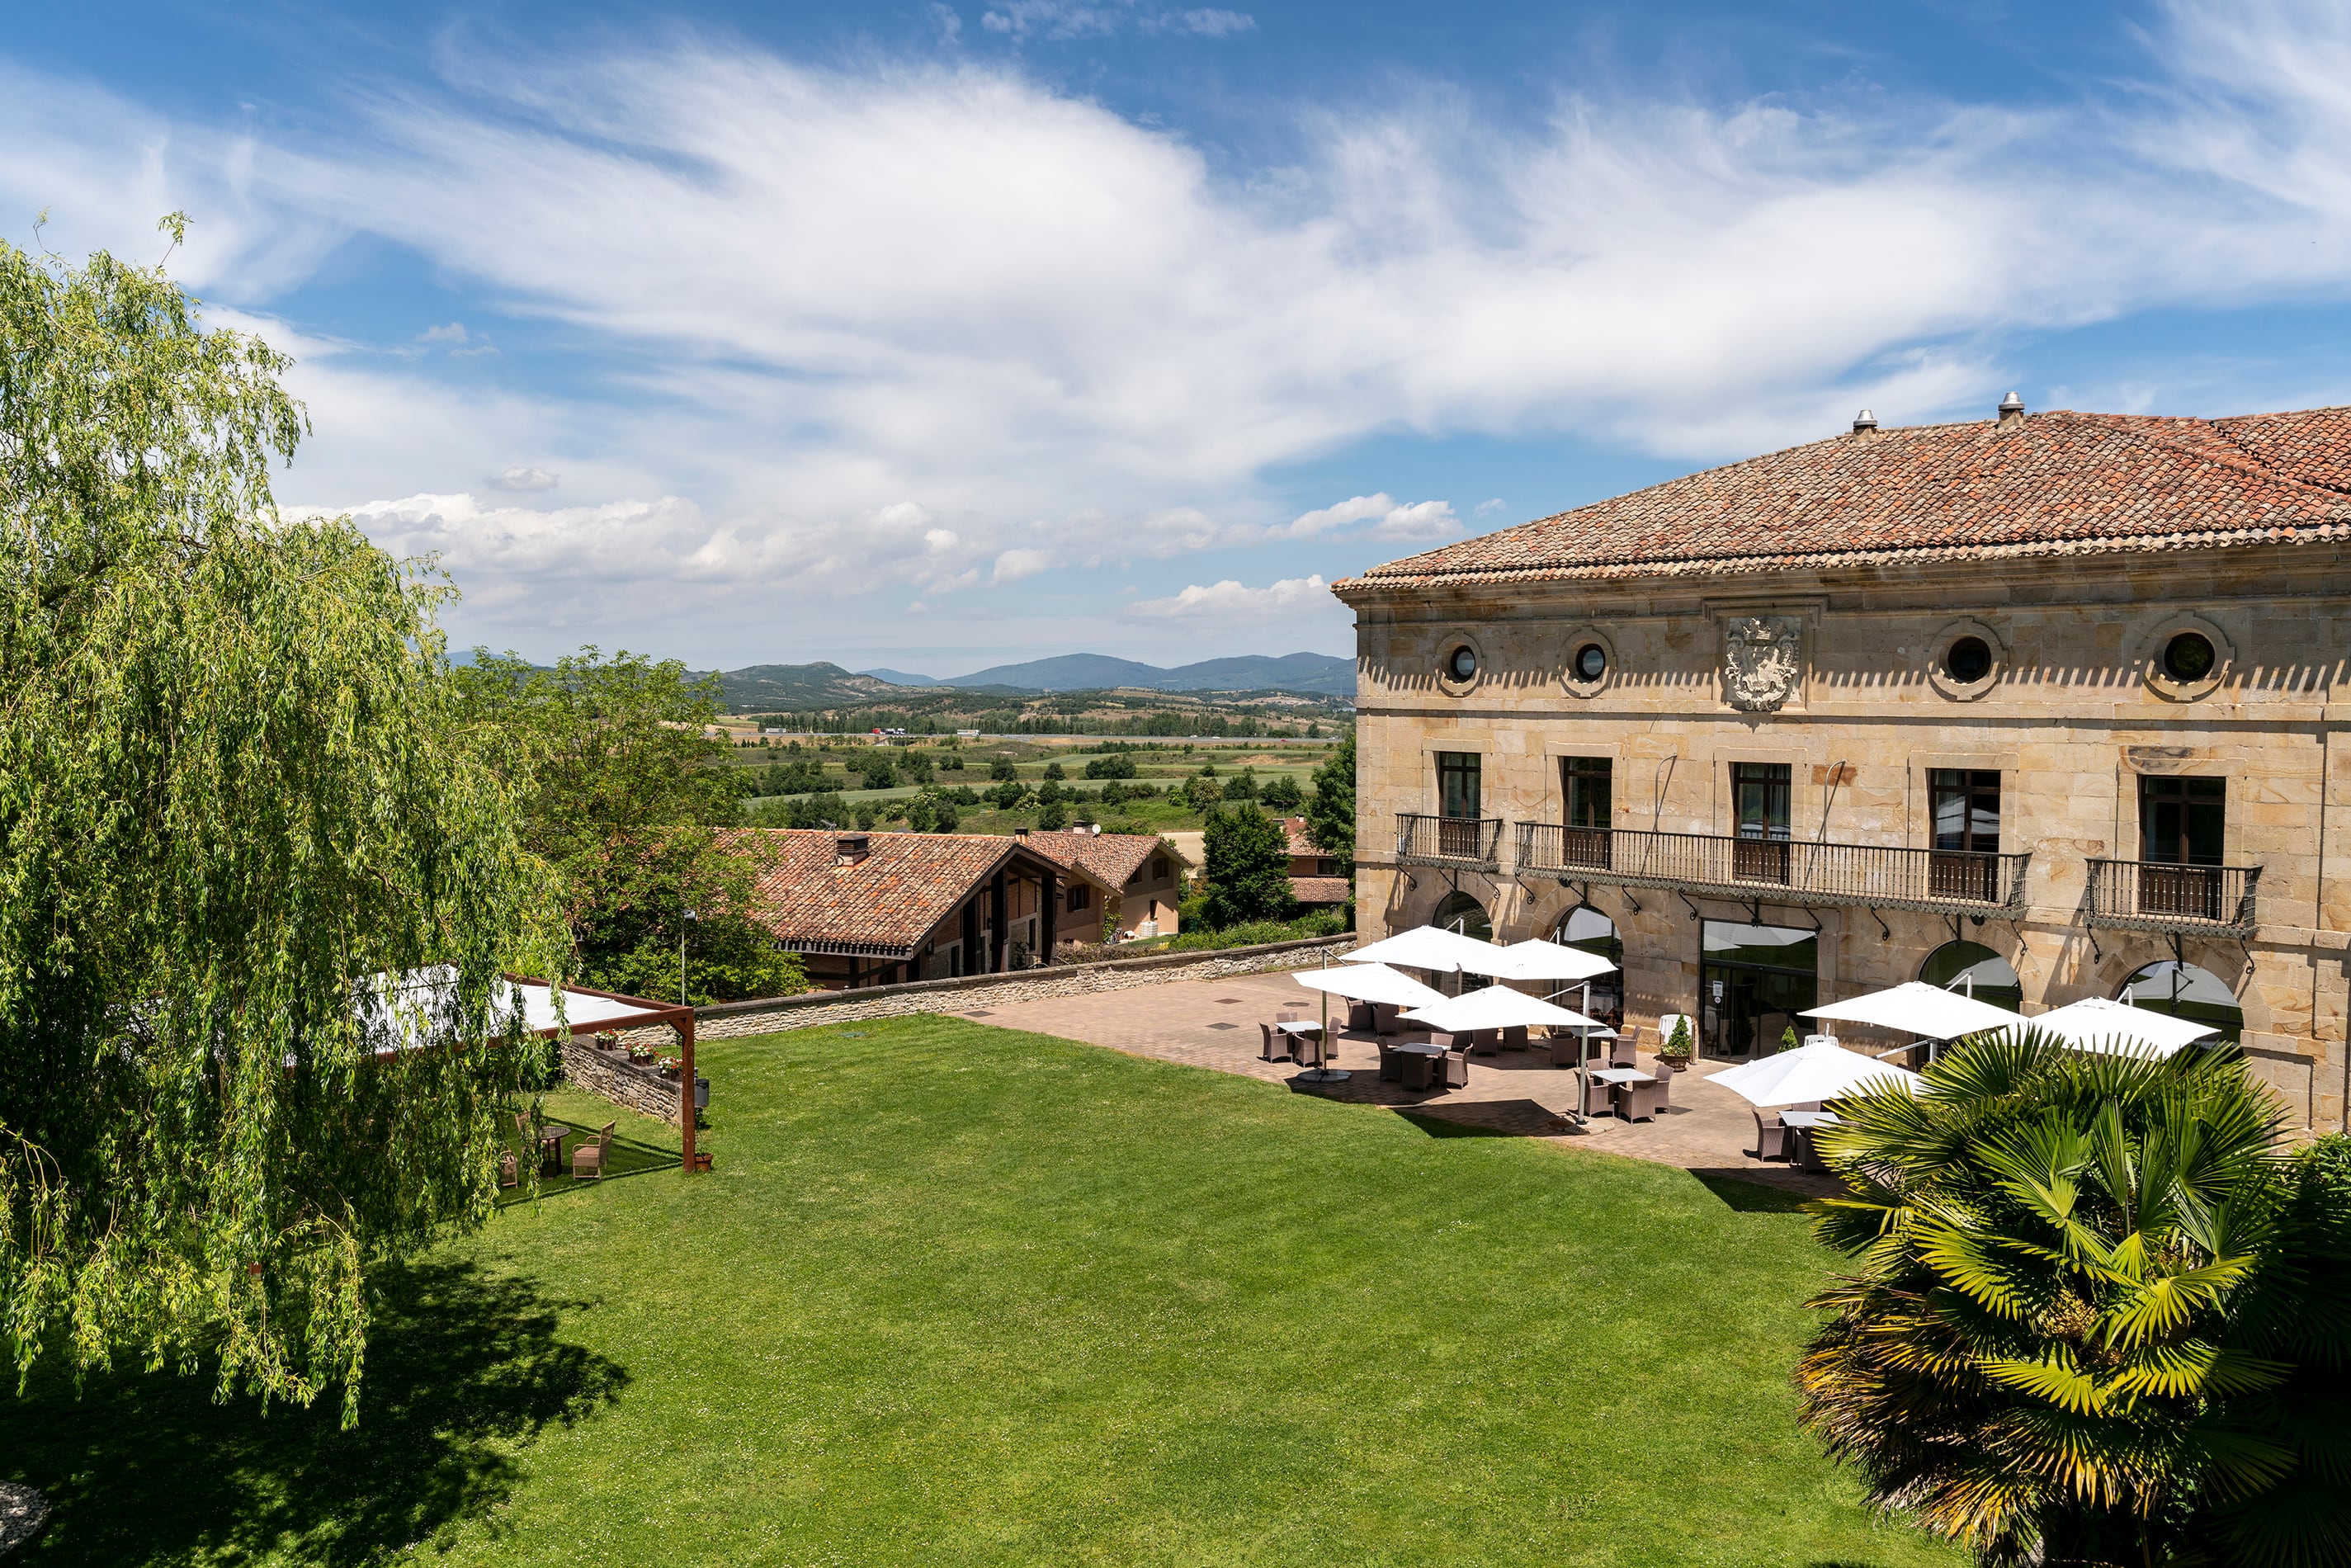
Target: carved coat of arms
{"type": "Point", "coordinates": [1761, 662]}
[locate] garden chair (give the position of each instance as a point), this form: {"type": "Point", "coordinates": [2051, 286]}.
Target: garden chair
{"type": "Point", "coordinates": [1361, 1018]}
{"type": "Point", "coordinates": [1623, 1052]}
{"type": "Point", "coordinates": [1416, 1070]}
{"type": "Point", "coordinates": [588, 1155]}
{"type": "Point", "coordinates": [1514, 1038]}
{"type": "Point", "coordinates": [1640, 1101]}
{"type": "Point", "coordinates": [1665, 1077]}
{"type": "Point", "coordinates": [1277, 1046]}
{"type": "Point", "coordinates": [1388, 1019]}
{"type": "Point", "coordinates": [1455, 1065]}
{"type": "Point", "coordinates": [1391, 1064]}
{"type": "Point", "coordinates": [1770, 1136]}
{"type": "Point", "coordinates": [1599, 1098]}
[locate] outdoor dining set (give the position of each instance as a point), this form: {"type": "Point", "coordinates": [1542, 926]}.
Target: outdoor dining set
{"type": "Point", "coordinates": [1425, 1038]}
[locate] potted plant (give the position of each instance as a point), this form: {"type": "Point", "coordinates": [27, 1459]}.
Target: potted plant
{"type": "Point", "coordinates": [671, 1066]}
{"type": "Point", "coordinates": [607, 1039]}
{"type": "Point", "coordinates": [1675, 1052]}
{"type": "Point", "coordinates": [642, 1055]}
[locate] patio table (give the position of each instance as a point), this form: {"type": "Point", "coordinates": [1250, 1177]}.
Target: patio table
{"type": "Point", "coordinates": [1299, 1026]}
{"type": "Point", "coordinates": [1622, 1075]}
{"type": "Point", "coordinates": [550, 1149]}
{"type": "Point", "coordinates": [1802, 1124]}
{"type": "Point", "coordinates": [1808, 1119]}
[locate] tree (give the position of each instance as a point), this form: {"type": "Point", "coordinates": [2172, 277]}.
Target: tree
{"type": "Point", "coordinates": [1241, 786]}
{"type": "Point", "coordinates": [1283, 794]}
{"type": "Point", "coordinates": [1330, 810]}
{"type": "Point", "coordinates": [627, 795]}
{"type": "Point", "coordinates": [238, 799]}
{"type": "Point", "coordinates": [1111, 768]}
{"type": "Point", "coordinates": [1055, 772]}
{"type": "Point", "coordinates": [1002, 771]}
{"type": "Point", "coordinates": [1246, 869]}
{"type": "Point", "coordinates": [2099, 1315]}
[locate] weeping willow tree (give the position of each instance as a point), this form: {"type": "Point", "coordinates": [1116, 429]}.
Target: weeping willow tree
{"type": "Point", "coordinates": [231, 794]}
{"type": "Point", "coordinates": [2101, 1312]}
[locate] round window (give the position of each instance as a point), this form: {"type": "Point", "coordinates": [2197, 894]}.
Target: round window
{"type": "Point", "coordinates": [1590, 661]}
{"type": "Point", "coordinates": [1462, 662]}
{"type": "Point", "coordinates": [2188, 657]}
{"type": "Point", "coordinates": [1967, 660]}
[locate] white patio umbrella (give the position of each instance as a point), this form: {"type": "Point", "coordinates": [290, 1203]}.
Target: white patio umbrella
{"type": "Point", "coordinates": [2095, 1023]}
{"type": "Point", "coordinates": [1496, 1006]}
{"type": "Point", "coordinates": [1425, 947]}
{"type": "Point", "coordinates": [1369, 983]}
{"type": "Point", "coordinates": [1536, 959]}
{"type": "Point", "coordinates": [1810, 1072]}
{"type": "Point", "coordinates": [1928, 1012]}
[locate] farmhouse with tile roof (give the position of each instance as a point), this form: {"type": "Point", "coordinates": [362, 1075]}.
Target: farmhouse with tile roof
{"type": "Point", "coordinates": [1143, 871]}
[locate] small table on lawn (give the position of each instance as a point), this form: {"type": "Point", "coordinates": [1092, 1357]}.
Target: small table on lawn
{"type": "Point", "coordinates": [550, 1148]}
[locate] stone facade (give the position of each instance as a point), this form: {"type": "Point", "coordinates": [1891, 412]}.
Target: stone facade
{"type": "Point", "coordinates": [1843, 674]}
{"type": "Point", "coordinates": [621, 1081]}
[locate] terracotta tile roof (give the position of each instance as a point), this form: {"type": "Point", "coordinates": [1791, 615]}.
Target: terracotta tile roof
{"type": "Point", "coordinates": [2061, 483]}
{"type": "Point", "coordinates": [884, 905]}
{"type": "Point", "coordinates": [1109, 859]}
{"type": "Point", "coordinates": [1294, 830]}
{"type": "Point", "coordinates": [1319, 889]}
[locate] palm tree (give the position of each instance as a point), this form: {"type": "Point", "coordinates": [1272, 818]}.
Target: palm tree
{"type": "Point", "coordinates": [2096, 1316]}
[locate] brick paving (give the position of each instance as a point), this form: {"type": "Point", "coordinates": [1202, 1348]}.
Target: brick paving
{"type": "Point", "coordinates": [1213, 1024]}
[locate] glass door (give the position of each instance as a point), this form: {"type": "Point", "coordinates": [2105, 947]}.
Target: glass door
{"type": "Point", "coordinates": [2182, 822]}
{"type": "Point", "coordinates": [1967, 829]}
{"type": "Point", "coordinates": [1753, 982]}
{"type": "Point", "coordinates": [1760, 799]}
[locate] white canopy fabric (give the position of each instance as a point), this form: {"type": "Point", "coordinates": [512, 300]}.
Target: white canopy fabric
{"type": "Point", "coordinates": [1425, 947]}
{"type": "Point", "coordinates": [1496, 1007]}
{"type": "Point", "coordinates": [1929, 1012]}
{"type": "Point", "coordinates": [1810, 1072]}
{"type": "Point", "coordinates": [1369, 983]}
{"type": "Point", "coordinates": [1536, 959]}
{"type": "Point", "coordinates": [2095, 1024]}
{"type": "Point", "coordinates": [404, 1012]}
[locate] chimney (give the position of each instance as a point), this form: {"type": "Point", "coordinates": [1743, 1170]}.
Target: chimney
{"type": "Point", "coordinates": [848, 849]}
{"type": "Point", "coordinates": [1020, 832]}
{"type": "Point", "coordinates": [1864, 423]}
{"type": "Point", "coordinates": [2012, 411]}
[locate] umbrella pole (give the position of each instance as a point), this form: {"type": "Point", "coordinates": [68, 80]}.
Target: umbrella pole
{"type": "Point", "coordinates": [1326, 1073]}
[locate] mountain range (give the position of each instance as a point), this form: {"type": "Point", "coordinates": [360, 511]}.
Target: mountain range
{"type": "Point", "coordinates": [1321, 674]}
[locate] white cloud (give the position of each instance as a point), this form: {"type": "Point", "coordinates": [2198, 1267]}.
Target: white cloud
{"type": "Point", "coordinates": [524, 479]}
{"type": "Point", "coordinates": [453, 332]}
{"type": "Point", "coordinates": [1064, 19]}
{"type": "Point", "coordinates": [1229, 601]}
{"type": "Point", "coordinates": [937, 325]}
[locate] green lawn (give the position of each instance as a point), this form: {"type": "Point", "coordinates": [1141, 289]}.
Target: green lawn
{"type": "Point", "coordinates": [956, 1295]}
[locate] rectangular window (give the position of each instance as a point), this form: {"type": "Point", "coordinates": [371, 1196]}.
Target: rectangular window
{"type": "Point", "coordinates": [1079, 895]}
{"type": "Point", "coordinates": [1456, 783]}
{"type": "Point", "coordinates": [1159, 868]}
{"type": "Point", "coordinates": [1967, 808]}
{"type": "Point", "coordinates": [1759, 792]}
{"type": "Point", "coordinates": [2181, 820]}
{"type": "Point", "coordinates": [1583, 787]}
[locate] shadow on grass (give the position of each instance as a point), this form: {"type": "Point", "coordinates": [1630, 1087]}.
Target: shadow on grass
{"type": "Point", "coordinates": [1741, 1192]}
{"type": "Point", "coordinates": [627, 1157]}
{"type": "Point", "coordinates": [1438, 1127]}
{"type": "Point", "coordinates": [463, 1370]}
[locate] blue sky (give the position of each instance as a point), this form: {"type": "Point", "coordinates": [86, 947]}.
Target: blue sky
{"type": "Point", "coordinates": [933, 335]}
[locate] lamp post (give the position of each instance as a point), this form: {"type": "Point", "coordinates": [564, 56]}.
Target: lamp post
{"type": "Point", "coordinates": [681, 956]}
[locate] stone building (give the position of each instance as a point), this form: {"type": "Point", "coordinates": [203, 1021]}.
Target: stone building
{"type": "Point", "coordinates": [2041, 706]}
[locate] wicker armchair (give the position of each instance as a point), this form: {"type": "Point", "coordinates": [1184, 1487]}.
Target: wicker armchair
{"type": "Point", "coordinates": [1598, 1098]}
{"type": "Point", "coordinates": [1640, 1101]}
{"type": "Point", "coordinates": [1770, 1136]}
{"type": "Point", "coordinates": [1623, 1052]}
{"type": "Point", "coordinates": [1455, 1067]}
{"type": "Point", "coordinates": [1277, 1046]}
{"type": "Point", "coordinates": [588, 1155]}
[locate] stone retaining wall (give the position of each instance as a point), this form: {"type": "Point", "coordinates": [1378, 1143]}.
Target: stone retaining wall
{"type": "Point", "coordinates": [733, 1020]}
{"type": "Point", "coordinates": [621, 1081]}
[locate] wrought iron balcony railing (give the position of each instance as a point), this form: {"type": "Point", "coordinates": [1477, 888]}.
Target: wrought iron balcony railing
{"type": "Point", "coordinates": [1785, 870]}
{"type": "Point", "coordinates": [2153, 895]}
{"type": "Point", "coordinates": [1463, 843]}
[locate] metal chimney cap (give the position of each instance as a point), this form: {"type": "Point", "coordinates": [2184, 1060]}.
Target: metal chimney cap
{"type": "Point", "coordinates": [2011, 403]}
{"type": "Point", "coordinates": [1862, 421]}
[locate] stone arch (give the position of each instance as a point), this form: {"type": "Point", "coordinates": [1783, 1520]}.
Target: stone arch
{"type": "Point", "coordinates": [2223, 961]}
{"type": "Point", "coordinates": [1977, 970]}
{"type": "Point", "coordinates": [2189, 991]}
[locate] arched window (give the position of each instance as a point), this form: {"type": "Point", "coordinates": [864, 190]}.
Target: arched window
{"type": "Point", "coordinates": [2185, 991]}
{"type": "Point", "coordinates": [1587, 928]}
{"type": "Point", "coordinates": [1461, 912]}
{"type": "Point", "coordinates": [1974, 970]}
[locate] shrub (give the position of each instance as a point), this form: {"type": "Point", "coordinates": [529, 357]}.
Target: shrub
{"type": "Point", "coordinates": [1111, 768]}
{"type": "Point", "coordinates": [1247, 869]}
{"type": "Point", "coordinates": [1283, 794]}
{"type": "Point", "coordinates": [1002, 771]}
{"type": "Point", "coordinates": [1055, 772]}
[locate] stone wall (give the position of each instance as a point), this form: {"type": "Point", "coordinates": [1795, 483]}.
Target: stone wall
{"type": "Point", "coordinates": [733, 1020]}
{"type": "Point", "coordinates": [621, 1081]}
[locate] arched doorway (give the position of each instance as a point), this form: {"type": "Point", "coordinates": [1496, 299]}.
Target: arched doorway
{"type": "Point", "coordinates": [1587, 928]}
{"type": "Point", "coordinates": [1459, 912]}
{"type": "Point", "coordinates": [2185, 991]}
{"type": "Point", "coordinates": [1974, 970]}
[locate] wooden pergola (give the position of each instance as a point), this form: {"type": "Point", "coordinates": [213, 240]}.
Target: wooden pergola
{"type": "Point", "coordinates": [590, 1009]}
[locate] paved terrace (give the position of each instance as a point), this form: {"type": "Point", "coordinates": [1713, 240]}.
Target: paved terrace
{"type": "Point", "coordinates": [1213, 1024]}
